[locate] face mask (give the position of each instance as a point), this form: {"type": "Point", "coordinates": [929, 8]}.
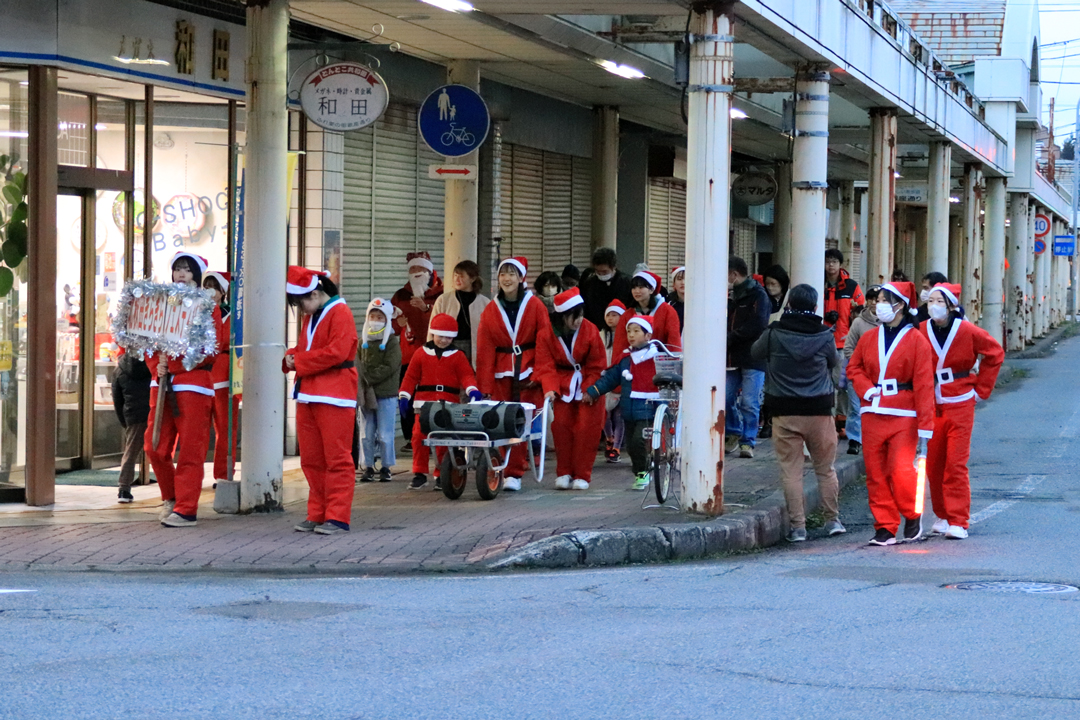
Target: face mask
{"type": "Point", "coordinates": [924, 296]}
{"type": "Point", "coordinates": [549, 291]}
{"type": "Point", "coordinates": [938, 312]}
{"type": "Point", "coordinates": [606, 276]}
{"type": "Point", "coordinates": [375, 327]}
{"type": "Point", "coordinates": [885, 313]}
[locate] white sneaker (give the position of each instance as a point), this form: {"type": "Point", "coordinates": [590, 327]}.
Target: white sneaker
{"type": "Point", "coordinates": [940, 527]}
{"type": "Point", "coordinates": [511, 484]}
{"type": "Point", "coordinates": [175, 521]}
{"type": "Point", "coordinates": [166, 509]}
{"type": "Point", "coordinates": [955, 532]}
{"type": "Point", "coordinates": [562, 482]}
{"type": "Point", "coordinates": [580, 484]}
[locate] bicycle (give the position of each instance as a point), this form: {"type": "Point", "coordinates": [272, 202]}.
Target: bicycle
{"type": "Point", "coordinates": [666, 434]}
{"type": "Point", "coordinates": [457, 135]}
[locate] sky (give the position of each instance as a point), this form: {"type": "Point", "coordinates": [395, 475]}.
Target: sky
{"type": "Point", "coordinates": [1060, 53]}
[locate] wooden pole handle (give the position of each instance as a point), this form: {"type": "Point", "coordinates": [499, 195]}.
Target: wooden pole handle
{"type": "Point", "coordinates": [159, 411]}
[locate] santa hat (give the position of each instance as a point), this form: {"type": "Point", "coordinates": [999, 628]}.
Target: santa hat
{"type": "Point", "coordinates": [568, 300]}
{"type": "Point", "coordinates": [649, 277]}
{"type": "Point", "coordinates": [301, 281]}
{"type": "Point", "coordinates": [422, 258]}
{"type": "Point", "coordinates": [223, 278]}
{"type": "Point", "coordinates": [676, 270]}
{"type": "Point", "coordinates": [387, 309]}
{"type": "Point", "coordinates": [642, 321]}
{"type": "Point", "coordinates": [950, 291]}
{"type": "Point", "coordinates": [905, 291]}
{"type": "Point", "coordinates": [197, 259]}
{"type": "Point", "coordinates": [443, 325]}
{"type": "Point", "coordinates": [616, 307]}
{"type": "Point", "coordinates": [520, 263]}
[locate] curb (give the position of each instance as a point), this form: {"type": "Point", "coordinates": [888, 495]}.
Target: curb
{"type": "Point", "coordinates": [1044, 345]}
{"type": "Point", "coordinates": [762, 526]}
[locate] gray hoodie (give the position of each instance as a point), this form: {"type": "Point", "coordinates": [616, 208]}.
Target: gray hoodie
{"type": "Point", "coordinates": [799, 352]}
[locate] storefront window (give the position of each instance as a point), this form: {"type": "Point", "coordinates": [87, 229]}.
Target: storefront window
{"type": "Point", "coordinates": [73, 135]}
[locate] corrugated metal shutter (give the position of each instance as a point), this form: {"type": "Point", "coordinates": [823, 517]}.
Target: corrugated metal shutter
{"type": "Point", "coordinates": [526, 204]}
{"type": "Point", "coordinates": [582, 212]}
{"type": "Point", "coordinates": [394, 199]}
{"type": "Point", "coordinates": [665, 242]}
{"type": "Point", "coordinates": [356, 248]}
{"type": "Point", "coordinates": [558, 211]}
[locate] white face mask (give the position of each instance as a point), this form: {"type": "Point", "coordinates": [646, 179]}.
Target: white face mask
{"type": "Point", "coordinates": [885, 312]}
{"type": "Point", "coordinates": [375, 327]}
{"type": "Point", "coordinates": [924, 296]}
{"type": "Point", "coordinates": [549, 291]}
{"type": "Point", "coordinates": [606, 276]}
{"type": "Point", "coordinates": [938, 312]}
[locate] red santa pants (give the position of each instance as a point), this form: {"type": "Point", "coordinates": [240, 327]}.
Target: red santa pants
{"type": "Point", "coordinates": [889, 445]}
{"type": "Point", "coordinates": [421, 453]}
{"type": "Point", "coordinates": [324, 433]}
{"type": "Point", "coordinates": [519, 455]}
{"type": "Point", "coordinates": [576, 432]}
{"type": "Point", "coordinates": [947, 462]}
{"type": "Point", "coordinates": [189, 432]}
{"type": "Point", "coordinates": [221, 430]}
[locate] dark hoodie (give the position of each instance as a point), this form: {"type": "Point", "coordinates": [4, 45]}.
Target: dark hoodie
{"type": "Point", "coordinates": [799, 352]}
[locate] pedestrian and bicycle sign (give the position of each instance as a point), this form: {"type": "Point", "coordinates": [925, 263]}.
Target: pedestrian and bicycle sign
{"type": "Point", "coordinates": [454, 120]}
{"type": "Point", "coordinates": [1065, 245]}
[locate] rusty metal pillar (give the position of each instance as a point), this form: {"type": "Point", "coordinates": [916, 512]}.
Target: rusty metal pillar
{"type": "Point", "coordinates": [809, 182]}
{"type": "Point", "coordinates": [882, 195]}
{"type": "Point", "coordinates": [782, 216]}
{"type": "Point", "coordinates": [971, 246]}
{"type": "Point", "coordinates": [1029, 275]}
{"type": "Point", "coordinates": [993, 259]}
{"type": "Point", "coordinates": [848, 228]}
{"type": "Point", "coordinates": [956, 249]}
{"type": "Point", "coordinates": [939, 186]}
{"type": "Point", "coordinates": [1016, 280]}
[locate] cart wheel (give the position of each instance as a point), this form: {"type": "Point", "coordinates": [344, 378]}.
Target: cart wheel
{"type": "Point", "coordinates": [453, 477]}
{"type": "Point", "coordinates": [488, 482]}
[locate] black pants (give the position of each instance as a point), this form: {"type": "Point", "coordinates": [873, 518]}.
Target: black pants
{"type": "Point", "coordinates": [409, 416]}
{"type": "Point", "coordinates": [635, 444]}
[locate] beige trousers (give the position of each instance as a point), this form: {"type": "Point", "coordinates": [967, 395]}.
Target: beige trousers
{"type": "Point", "coordinates": [818, 432]}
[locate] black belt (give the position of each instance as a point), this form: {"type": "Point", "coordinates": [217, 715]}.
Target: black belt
{"type": "Point", "coordinates": [515, 381]}
{"type": "Point", "coordinates": [438, 388]}
{"type": "Point", "coordinates": [516, 350]}
{"type": "Point", "coordinates": [961, 375]}
{"type": "Point", "coordinates": [347, 365]}
{"type": "Point", "coordinates": [901, 386]}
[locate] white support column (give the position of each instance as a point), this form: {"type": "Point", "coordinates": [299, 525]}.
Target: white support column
{"type": "Point", "coordinates": [993, 262]}
{"type": "Point", "coordinates": [461, 197]}
{"type": "Point", "coordinates": [916, 264]}
{"type": "Point", "coordinates": [708, 215]}
{"type": "Point", "coordinates": [265, 255]}
{"type": "Point", "coordinates": [937, 209]}
{"type": "Point", "coordinates": [1016, 282]}
{"type": "Point", "coordinates": [605, 176]}
{"type": "Point", "coordinates": [1029, 277]}
{"type": "Point", "coordinates": [970, 233]}
{"type": "Point", "coordinates": [782, 216]}
{"type": "Point", "coordinates": [809, 183]}
{"type": "Point", "coordinates": [847, 224]}
{"type": "Point", "coordinates": [956, 251]}
{"type": "Point", "coordinates": [882, 195]}
{"type": "Point", "coordinates": [1042, 301]}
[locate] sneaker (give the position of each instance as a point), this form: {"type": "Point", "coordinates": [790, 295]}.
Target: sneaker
{"type": "Point", "coordinates": [854, 447]}
{"type": "Point", "coordinates": [175, 520]}
{"type": "Point", "coordinates": [765, 432]}
{"type": "Point", "coordinates": [306, 526]}
{"type": "Point", "coordinates": [512, 484]}
{"type": "Point", "coordinates": [940, 527]}
{"type": "Point", "coordinates": [641, 480]}
{"type": "Point", "coordinates": [166, 509]}
{"type": "Point", "coordinates": [955, 532]}
{"type": "Point", "coordinates": [731, 443]}
{"type": "Point", "coordinates": [438, 484]}
{"type": "Point", "coordinates": [834, 527]}
{"type": "Point", "coordinates": [562, 482]}
{"type": "Point", "coordinates": [419, 480]}
{"type": "Point", "coordinates": [913, 529]}
{"type": "Point", "coordinates": [796, 535]}
{"type": "Point", "coordinates": [331, 528]}
{"type": "Point", "coordinates": [883, 537]}
{"type": "Point", "coordinates": [613, 455]}
{"type": "Point", "coordinates": [746, 451]}
{"type": "Point", "coordinates": [579, 484]}
{"type": "Point", "coordinates": [369, 475]}
{"type": "Point", "coordinates": [124, 496]}
{"type": "Point", "coordinates": [384, 474]}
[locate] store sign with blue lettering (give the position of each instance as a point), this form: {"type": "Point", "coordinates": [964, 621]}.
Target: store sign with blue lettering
{"type": "Point", "coordinates": [454, 120]}
{"type": "Point", "coordinates": [1065, 245]}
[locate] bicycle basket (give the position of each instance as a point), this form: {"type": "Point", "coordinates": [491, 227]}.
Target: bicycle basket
{"type": "Point", "coordinates": [668, 376]}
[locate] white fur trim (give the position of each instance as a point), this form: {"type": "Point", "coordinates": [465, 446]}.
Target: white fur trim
{"type": "Point", "coordinates": [511, 261]}
{"type": "Point", "coordinates": [639, 320]}
{"type": "Point", "coordinates": [443, 333]}
{"type": "Point", "coordinates": [571, 303]}
{"type": "Point", "coordinates": [422, 262]}
{"type": "Point", "coordinates": [647, 278]}
{"type": "Point", "coordinates": [298, 290]}
{"type": "Point", "coordinates": [615, 309]}
{"type": "Point", "coordinates": [676, 271]}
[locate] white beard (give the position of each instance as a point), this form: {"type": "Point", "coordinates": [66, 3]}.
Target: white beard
{"type": "Point", "coordinates": [418, 283]}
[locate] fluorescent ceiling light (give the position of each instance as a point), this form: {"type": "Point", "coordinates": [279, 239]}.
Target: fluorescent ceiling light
{"type": "Point", "coordinates": [101, 126]}
{"type": "Point", "coordinates": [897, 175]}
{"type": "Point", "coordinates": [622, 70]}
{"type": "Point", "coordinates": [451, 5]}
{"type": "Point", "coordinates": [14, 134]}
{"type": "Point", "coordinates": [737, 114]}
{"type": "Point", "coordinates": [954, 199]}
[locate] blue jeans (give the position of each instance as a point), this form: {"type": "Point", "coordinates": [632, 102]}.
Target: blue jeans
{"type": "Point", "coordinates": [744, 409]}
{"type": "Point", "coordinates": [853, 426]}
{"type": "Point", "coordinates": [378, 425]}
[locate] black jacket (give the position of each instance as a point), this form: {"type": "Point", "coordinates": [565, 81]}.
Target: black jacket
{"type": "Point", "coordinates": [800, 352]}
{"type": "Point", "coordinates": [598, 294]}
{"type": "Point", "coordinates": [748, 315]}
{"type": "Point", "coordinates": [131, 391]}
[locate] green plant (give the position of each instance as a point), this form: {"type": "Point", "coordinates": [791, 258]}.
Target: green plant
{"type": "Point", "coordinates": [13, 230]}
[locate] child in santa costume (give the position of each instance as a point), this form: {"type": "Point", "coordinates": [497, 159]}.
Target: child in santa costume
{"type": "Point", "coordinates": [570, 357]}
{"type": "Point", "coordinates": [894, 376]}
{"type": "Point", "coordinates": [958, 347]}
{"type": "Point", "coordinates": [217, 284]}
{"type": "Point", "coordinates": [438, 371]}
{"type": "Point", "coordinates": [634, 372]}
{"type": "Point", "coordinates": [613, 422]}
{"type": "Point", "coordinates": [324, 360]}
{"type": "Point", "coordinates": [185, 422]}
{"type": "Point", "coordinates": [649, 303]}
{"type": "Point", "coordinates": [509, 328]}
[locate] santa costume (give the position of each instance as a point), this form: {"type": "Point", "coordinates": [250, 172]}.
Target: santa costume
{"type": "Point", "coordinates": [325, 393]}
{"type": "Point", "coordinates": [435, 374]}
{"type": "Point", "coordinates": [661, 316]}
{"type": "Point", "coordinates": [506, 357]}
{"type": "Point", "coordinates": [185, 424]}
{"type": "Point", "coordinates": [958, 346]}
{"type": "Point", "coordinates": [567, 363]}
{"type": "Point", "coordinates": [893, 374]}
{"type": "Point", "coordinates": [411, 321]}
{"type": "Point", "coordinates": [219, 374]}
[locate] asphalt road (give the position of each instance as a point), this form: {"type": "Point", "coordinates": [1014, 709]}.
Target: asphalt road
{"type": "Point", "coordinates": [828, 629]}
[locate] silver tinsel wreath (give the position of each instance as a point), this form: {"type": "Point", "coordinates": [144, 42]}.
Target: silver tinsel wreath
{"type": "Point", "coordinates": [201, 341]}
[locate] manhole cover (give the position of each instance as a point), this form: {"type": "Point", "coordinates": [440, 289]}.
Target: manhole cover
{"type": "Point", "coordinates": [1007, 586]}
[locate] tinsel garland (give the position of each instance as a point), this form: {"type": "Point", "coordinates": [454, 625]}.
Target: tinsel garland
{"type": "Point", "coordinates": [201, 340]}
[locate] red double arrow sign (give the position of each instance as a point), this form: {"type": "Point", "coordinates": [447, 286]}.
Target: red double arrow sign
{"type": "Point", "coordinates": [454, 171]}
{"type": "Point", "coordinates": [451, 172]}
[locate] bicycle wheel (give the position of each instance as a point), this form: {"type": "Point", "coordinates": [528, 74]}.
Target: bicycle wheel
{"type": "Point", "coordinates": [447, 138]}
{"type": "Point", "coordinates": [453, 477]}
{"type": "Point", "coordinates": [663, 456]}
{"type": "Point", "coordinates": [488, 482]}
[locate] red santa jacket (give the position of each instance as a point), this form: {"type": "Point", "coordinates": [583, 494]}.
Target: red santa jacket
{"type": "Point", "coordinates": [197, 380]}
{"type": "Point", "coordinates": [434, 377]}
{"type": "Point", "coordinates": [897, 382]}
{"type": "Point", "coordinates": [665, 322]}
{"type": "Point", "coordinates": [499, 343]}
{"type": "Point", "coordinates": [840, 298]}
{"type": "Point", "coordinates": [415, 332]}
{"type": "Point", "coordinates": [325, 357]}
{"type": "Point", "coordinates": [567, 371]}
{"type": "Point", "coordinates": [220, 372]}
{"type": "Point", "coordinates": [954, 380]}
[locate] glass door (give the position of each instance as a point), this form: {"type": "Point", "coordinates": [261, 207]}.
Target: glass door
{"type": "Point", "coordinates": [70, 219]}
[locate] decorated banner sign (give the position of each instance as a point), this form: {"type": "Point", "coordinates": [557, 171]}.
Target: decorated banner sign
{"type": "Point", "coordinates": [344, 96]}
{"type": "Point", "coordinates": [174, 319]}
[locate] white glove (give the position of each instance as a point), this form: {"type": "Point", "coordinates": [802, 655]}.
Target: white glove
{"type": "Point", "coordinates": [871, 393]}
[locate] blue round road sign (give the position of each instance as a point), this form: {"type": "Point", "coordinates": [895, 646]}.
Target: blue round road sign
{"type": "Point", "coordinates": [454, 120]}
{"type": "Point", "coordinates": [1040, 247]}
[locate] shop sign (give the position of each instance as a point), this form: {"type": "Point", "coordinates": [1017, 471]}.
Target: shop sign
{"type": "Point", "coordinates": [454, 120]}
{"type": "Point", "coordinates": [219, 69]}
{"type": "Point", "coordinates": [1042, 225]}
{"type": "Point", "coordinates": [754, 188]}
{"type": "Point", "coordinates": [185, 48]}
{"type": "Point", "coordinates": [911, 193]}
{"type": "Point", "coordinates": [1065, 245]}
{"type": "Point", "coordinates": [344, 96]}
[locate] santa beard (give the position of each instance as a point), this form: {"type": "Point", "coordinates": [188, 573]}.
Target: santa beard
{"type": "Point", "coordinates": [418, 283]}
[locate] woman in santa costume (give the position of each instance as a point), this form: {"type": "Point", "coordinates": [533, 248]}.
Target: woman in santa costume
{"type": "Point", "coordinates": [958, 347]}
{"type": "Point", "coordinates": [509, 328]}
{"type": "Point", "coordinates": [648, 302]}
{"type": "Point", "coordinates": [893, 374]}
{"type": "Point", "coordinates": [324, 361]}
{"type": "Point", "coordinates": [217, 283]}
{"type": "Point", "coordinates": [569, 358]}
{"type": "Point", "coordinates": [438, 371]}
{"type": "Point", "coordinates": [185, 422]}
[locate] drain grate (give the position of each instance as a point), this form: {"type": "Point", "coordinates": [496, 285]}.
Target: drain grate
{"type": "Point", "coordinates": [1010, 586]}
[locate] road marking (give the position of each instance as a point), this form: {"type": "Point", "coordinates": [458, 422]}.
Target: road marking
{"type": "Point", "coordinates": [1021, 490]}
{"type": "Point", "coordinates": [4, 591]}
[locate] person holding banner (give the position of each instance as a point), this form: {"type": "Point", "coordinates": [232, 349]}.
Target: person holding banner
{"type": "Point", "coordinates": [324, 360]}
{"type": "Point", "coordinates": [184, 420]}
{"type": "Point", "coordinates": [217, 284]}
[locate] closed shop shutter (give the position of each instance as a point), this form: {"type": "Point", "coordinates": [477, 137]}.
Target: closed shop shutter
{"type": "Point", "coordinates": [582, 212]}
{"type": "Point", "coordinates": [527, 207]}
{"type": "Point", "coordinates": [665, 242]}
{"type": "Point", "coordinates": [558, 211]}
{"type": "Point", "coordinates": [356, 248]}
